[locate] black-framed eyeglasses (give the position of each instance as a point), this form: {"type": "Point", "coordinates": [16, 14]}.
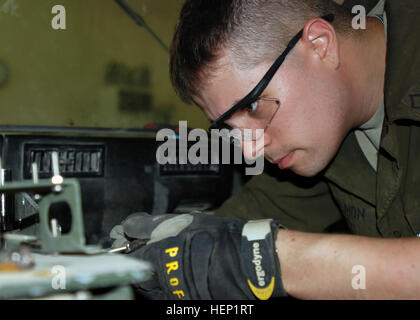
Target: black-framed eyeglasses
{"type": "Point", "coordinates": [247, 102]}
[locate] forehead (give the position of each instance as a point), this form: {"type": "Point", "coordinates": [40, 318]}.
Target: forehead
{"type": "Point", "coordinates": [224, 85]}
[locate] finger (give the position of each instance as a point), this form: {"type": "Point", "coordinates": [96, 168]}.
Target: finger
{"type": "Point", "coordinates": [117, 232]}
{"type": "Point", "coordinates": [119, 243]}
{"type": "Point", "coordinates": [140, 225]}
{"type": "Point", "coordinates": [156, 228]}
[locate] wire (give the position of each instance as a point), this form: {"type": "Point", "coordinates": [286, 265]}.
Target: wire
{"type": "Point", "coordinates": [140, 22]}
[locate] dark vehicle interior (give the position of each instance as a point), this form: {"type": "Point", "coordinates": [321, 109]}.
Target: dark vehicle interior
{"type": "Point", "coordinates": [91, 85]}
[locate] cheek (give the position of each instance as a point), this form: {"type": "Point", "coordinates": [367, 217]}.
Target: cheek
{"type": "Point", "coordinates": [315, 127]}
{"type": "Point", "coordinates": [322, 133]}
{"type": "Point", "coordinates": [312, 114]}
{"type": "Point", "coordinates": [318, 111]}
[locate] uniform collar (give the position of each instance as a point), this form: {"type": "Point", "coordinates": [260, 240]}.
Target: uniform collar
{"type": "Point", "coordinates": [402, 87]}
{"type": "Point", "coordinates": [350, 159]}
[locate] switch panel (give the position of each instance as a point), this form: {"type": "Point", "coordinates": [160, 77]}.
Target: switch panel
{"type": "Point", "coordinates": [74, 160]}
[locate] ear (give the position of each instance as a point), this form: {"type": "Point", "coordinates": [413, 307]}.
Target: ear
{"type": "Point", "coordinates": [319, 37]}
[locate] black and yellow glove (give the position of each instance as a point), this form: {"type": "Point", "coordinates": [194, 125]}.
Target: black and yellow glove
{"type": "Point", "coordinates": [199, 256]}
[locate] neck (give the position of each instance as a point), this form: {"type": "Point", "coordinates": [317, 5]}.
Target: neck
{"type": "Point", "coordinates": [366, 68]}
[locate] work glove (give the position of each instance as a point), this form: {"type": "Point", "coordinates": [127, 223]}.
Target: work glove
{"type": "Point", "coordinates": [200, 256]}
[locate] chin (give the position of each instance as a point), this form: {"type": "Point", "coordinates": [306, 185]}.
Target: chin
{"type": "Point", "coordinates": [309, 168]}
{"type": "Point", "coordinates": [304, 172]}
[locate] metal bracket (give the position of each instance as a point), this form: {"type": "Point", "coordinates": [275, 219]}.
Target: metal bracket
{"type": "Point", "coordinates": [68, 191]}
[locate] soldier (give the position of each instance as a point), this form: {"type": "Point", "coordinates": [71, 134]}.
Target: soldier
{"type": "Point", "coordinates": [340, 109]}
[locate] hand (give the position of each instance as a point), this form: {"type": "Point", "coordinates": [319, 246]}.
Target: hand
{"type": "Point", "coordinates": [199, 256]}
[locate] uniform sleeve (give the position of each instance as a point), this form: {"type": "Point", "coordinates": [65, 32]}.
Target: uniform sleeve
{"type": "Point", "coordinates": [303, 204]}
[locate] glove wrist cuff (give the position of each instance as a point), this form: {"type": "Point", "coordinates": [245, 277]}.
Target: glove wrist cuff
{"type": "Point", "coordinates": [259, 258]}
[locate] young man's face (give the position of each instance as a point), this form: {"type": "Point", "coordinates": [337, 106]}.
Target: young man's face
{"type": "Point", "coordinates": [314, 114]}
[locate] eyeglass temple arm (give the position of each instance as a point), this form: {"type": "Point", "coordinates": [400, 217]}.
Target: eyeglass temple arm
{"type": "Point", "coordinates": [255, 93]}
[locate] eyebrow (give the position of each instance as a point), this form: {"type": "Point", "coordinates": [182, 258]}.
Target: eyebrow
{"type": "Point", "coordinates": [217, 116]}
{"type": "Point", "coordinates": [233, 104]}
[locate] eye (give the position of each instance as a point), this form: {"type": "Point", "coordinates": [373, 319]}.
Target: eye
{"type": "Point", "coordinates": [253, 106]}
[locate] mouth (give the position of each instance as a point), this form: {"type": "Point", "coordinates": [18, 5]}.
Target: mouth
{"type": "Point", "coordinates": [284, 163]}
